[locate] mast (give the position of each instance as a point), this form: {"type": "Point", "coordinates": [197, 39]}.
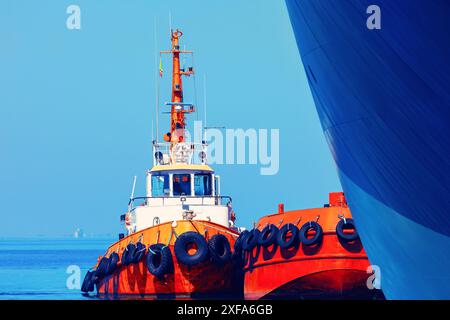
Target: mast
{"type": "Point", "coordinates": [178, 107]}
{"type": "Point", "coordinates": [177, 149]}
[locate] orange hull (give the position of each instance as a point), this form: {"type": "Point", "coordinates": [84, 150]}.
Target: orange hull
{"type": "Point", "coordinates": [330, 269]}
{"type": "Point", "coordinates": [185, 281]}
{"type": "Point", "coordinates": [136, 280]}
{"type": "Point", "coordinates": [322, 277]}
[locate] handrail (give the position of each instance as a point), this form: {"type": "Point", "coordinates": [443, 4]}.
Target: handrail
{"type": "Point", "coordinates": [195, 148]}
{"type": "Point", "coordinates": [216, 198]}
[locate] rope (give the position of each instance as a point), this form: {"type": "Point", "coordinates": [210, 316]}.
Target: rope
{"type": "Point", "coordinates": [170, 239]}
{"type": "Point", "coordinates": [279, 224]}
{"type": "Point", "coordinates": [342, 217]}
{"type": "Point", "coordinates": [168, 243]}
{"type": "Point", "coordinates": [194, 226]}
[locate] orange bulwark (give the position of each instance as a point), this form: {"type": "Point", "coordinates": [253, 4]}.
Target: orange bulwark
{"type": "Point", "coordinates": [185, 281]}
{"type": "Point", "coordinates": [331, 268]}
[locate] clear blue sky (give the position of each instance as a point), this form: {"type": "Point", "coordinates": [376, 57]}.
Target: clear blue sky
{"type": "Point", "coordinates": [76, 107]}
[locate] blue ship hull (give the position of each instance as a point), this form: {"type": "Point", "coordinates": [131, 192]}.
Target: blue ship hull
{"type": "Point", "coordinates": [383, 98]}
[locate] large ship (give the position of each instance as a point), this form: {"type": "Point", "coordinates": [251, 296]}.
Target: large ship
{"type": "Point", "coordinates": [308, 254]}
{"type": "Point", "coordinates": [179, 236]}
{"type": "Point", "coordinates": [379, 74]}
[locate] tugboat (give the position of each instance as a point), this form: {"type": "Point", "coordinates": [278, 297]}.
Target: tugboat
{"type": "Point", "coordinates": [179, 236]}
{"type": "Point", "coordinates": [307, 254]}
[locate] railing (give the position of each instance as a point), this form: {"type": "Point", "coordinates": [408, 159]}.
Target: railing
{"type": "Point", "coordinates": [218, 200]}
{"type": "Point", "coordinates": [185, 152]}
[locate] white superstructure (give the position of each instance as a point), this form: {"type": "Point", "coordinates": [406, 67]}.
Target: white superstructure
{"type": "Point", "coordinates": [180, 190]}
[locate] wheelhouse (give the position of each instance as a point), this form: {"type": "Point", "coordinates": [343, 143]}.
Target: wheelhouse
{"type": "Point", "coordinates": [180, 192]}
{"type": "Point", "coordinates": [182, 183]}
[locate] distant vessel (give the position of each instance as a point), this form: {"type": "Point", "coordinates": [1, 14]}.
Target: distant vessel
{"type": "Point", "coordinates": [180, 235]}
{"type": "Point", "coordinates": [383, 98]}
{"type": "Point", "coordinates": [79, 233]}
{"type": "Point", "coordinates": [310, 254]}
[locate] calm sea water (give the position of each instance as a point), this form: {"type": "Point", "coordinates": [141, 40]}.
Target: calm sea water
{"type": "Point", "coordinates": [37, 269]}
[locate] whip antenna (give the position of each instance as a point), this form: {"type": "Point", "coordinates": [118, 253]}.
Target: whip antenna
{"type": "Point", "coordinates": [204, 107]}
{"type": "Point", "coordinates": [156, 84]}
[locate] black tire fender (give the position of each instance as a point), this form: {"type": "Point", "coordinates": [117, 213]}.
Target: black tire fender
{"type": "Point", "coordinates": [112, 263]}
{"type": "Point", "coordinates": [239, 240]}
{"type": "Point", "coordinates": [268, 235]}
{"type": "Point", "coordinates": [88, 282]}
{"type": "Point", "coordinates": [346, 224]}
{"type": "Point", "coordinates": [102, 267]}
{"type": "Point", "coordinates": [281, 236]}
{"type": "Point", "coordinates": [303, 233]}
{"type": "Point", "coordinates": [181, 248]}
{"type": "Point", "coordinates": [219, 249]}
{"type": "Point", "coordinates": [251, 240]}
{"type": "Point", "coordinates": [128, 254]}
{"type": "Point", "coordinates": [139, 253]}
{"type": "Point", "coordinates": [159, 260]}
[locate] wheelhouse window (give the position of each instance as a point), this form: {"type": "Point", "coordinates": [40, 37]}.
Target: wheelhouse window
{"type": "Point", "coordinates": [202, 184]}
{"type": "Point", "coordinates": [182, 184]}
{"type": "Point", "coordinates": [160, 185]}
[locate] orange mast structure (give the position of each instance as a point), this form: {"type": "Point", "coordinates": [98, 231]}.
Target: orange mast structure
{"type": "Point", "coordinates": [178, 107]}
